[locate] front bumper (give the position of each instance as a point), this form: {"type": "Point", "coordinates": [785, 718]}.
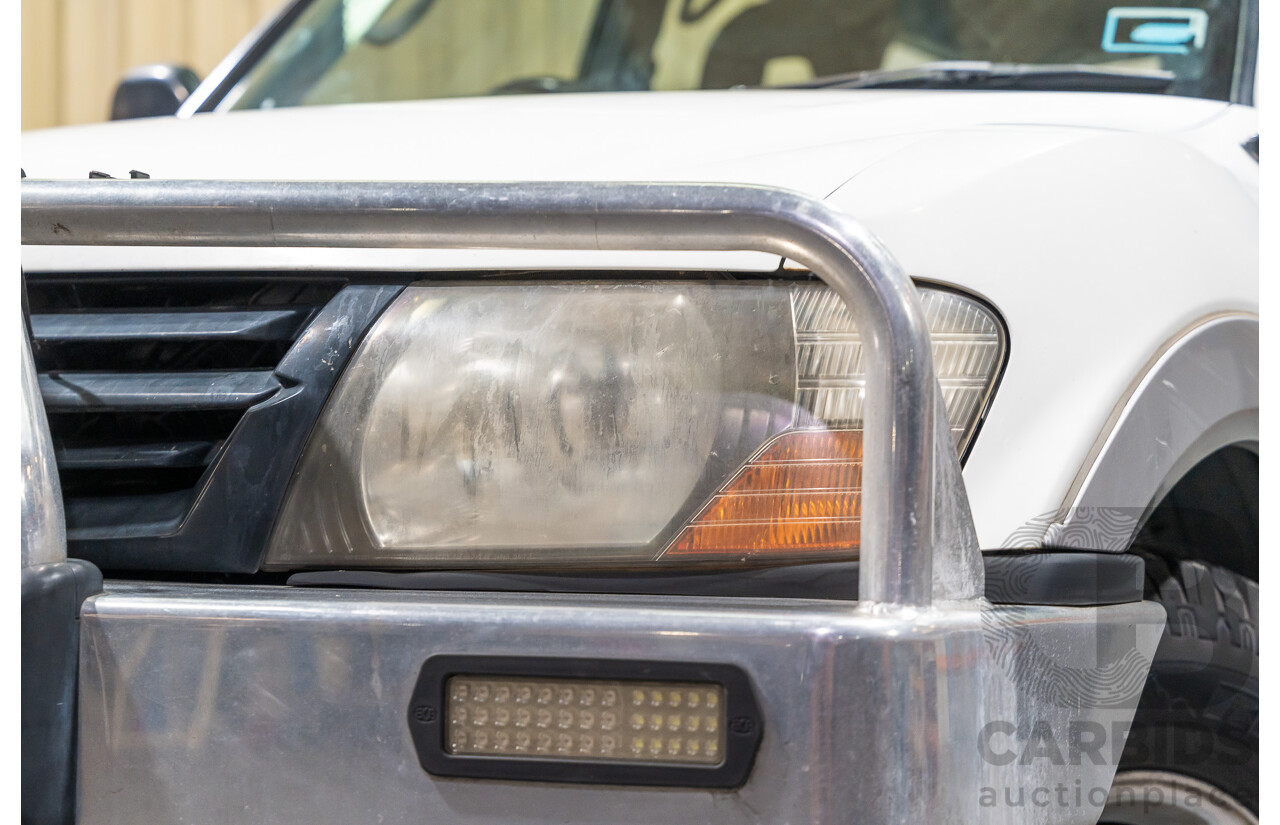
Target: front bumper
{"type": "Point", "coordinates": [274, 704]}
{"type": "Point", "coordinates": [51, 597]}
{"type": "Point", "coordinates": [920, 703]}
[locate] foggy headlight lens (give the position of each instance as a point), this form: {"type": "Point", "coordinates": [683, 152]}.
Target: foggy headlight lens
{"type": "Point", "coordinates": [587, 424]}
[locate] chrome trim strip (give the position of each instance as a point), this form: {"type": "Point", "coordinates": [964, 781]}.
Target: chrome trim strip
{"type": "Point", "coordinates": [367, 263]}
{"type": "Point", "coordinates": [903, 421]}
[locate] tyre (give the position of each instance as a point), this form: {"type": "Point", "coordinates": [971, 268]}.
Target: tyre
{"type": "Point", "coordinates": [1192, 753]}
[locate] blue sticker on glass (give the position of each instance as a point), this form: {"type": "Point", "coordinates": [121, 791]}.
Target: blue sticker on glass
{"type": "Point", "coordinates": [1145, 30]}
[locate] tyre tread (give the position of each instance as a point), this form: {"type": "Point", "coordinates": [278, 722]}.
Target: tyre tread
{"type": "Point", "coordinates": [1205, 601]}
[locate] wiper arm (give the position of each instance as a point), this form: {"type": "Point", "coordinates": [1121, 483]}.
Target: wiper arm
{"type": "Point", "coordinates": [981, 74]}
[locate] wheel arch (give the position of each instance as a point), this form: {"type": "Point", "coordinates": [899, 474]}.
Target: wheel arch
{"type": "Point", "coordinates": [1195, 398]}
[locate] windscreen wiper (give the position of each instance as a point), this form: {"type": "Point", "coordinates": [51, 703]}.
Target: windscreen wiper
{"type": "Point", "coordinates": [981, 74]}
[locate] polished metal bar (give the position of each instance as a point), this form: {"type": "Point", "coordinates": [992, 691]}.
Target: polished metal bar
{"type": "Point", "coordinates": [898, 505]}
{"type": "Point", "coordinates": [44, 531]}
{"type": "Point", "coordinates": [217, 703]}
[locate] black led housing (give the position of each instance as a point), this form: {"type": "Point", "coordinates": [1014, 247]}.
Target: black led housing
{"type": "Point", "coordinates": [599, 721]}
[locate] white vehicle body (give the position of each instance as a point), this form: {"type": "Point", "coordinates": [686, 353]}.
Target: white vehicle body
{"type": "Point", "coordinates": [312, 284]}
{"type": "Point", "coordinates": [1103, 227]}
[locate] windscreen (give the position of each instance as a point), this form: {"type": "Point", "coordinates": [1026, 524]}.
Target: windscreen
{"type": "Point", "coordinates": [347, 51]}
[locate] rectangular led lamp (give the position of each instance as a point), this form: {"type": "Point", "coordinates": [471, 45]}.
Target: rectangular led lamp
{"type": "Point", "coordinates": [585, 720]}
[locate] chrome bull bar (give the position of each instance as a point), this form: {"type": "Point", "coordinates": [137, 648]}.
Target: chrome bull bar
{"type": "Point", "coordinates": [917, 540]}
{"type": "Point", "coordinates": [44, 531]}
{"type": "Point", "coordinates": [202, 703]}
{"type": "Point", "coordinates": [279, 704]}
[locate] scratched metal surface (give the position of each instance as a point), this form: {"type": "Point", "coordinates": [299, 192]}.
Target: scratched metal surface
{"type": "Point", "coordinates": [207, 704]}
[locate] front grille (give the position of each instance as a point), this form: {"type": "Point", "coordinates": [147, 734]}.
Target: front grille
{"type": "Point", "coordinates": [144, 379]}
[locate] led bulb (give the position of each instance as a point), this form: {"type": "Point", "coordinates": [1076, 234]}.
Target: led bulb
{"type": "Point", "coordinates": [581, 719]}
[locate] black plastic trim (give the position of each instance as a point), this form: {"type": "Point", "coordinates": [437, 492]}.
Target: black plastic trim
{"type": "Point", "coordinates": [1067, 579]}
{"type": "Point", "coordinates": [831, 580]}
{"type": "Point", "coordinates": [226, 529]}
{"type": "Point", "coordinates": [98, 519]}
{"type": "Point", "coordinates": [235, 325]}
{"type": "Point", "coordinates": [124, 456]}
{"type": "Point", "coordinates": [1037, 577]}
{"type": "Point", "coordinates": [246, 61]}
{"type": "Point", "coordinates": [743, 730]}
{"type": "Point", "coordinates": [51, 598]}
{"type": "Point", "coordinates": [1246, 68]}
{"type": "Point", "coordinates": [158, 391]}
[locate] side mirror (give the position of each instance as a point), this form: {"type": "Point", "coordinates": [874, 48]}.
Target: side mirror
{"type": "Point", "coordinates": [152, 91]}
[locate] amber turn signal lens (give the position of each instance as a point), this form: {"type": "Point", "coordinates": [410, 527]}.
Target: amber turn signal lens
{"type": "Point", "coordinates": [800, 495]}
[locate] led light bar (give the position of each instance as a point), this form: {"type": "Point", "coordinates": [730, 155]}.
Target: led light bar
{"type": "Point", "coordinates": [572, 720]}
{"type": "Point", "coordinates": [585, 719]}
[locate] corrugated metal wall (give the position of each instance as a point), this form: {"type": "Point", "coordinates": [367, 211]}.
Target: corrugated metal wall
{"type": "Point", "coordinates": [74, 51]}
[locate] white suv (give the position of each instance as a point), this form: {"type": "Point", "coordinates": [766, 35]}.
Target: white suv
{"type": "Point", "coordinates": [465, 404]}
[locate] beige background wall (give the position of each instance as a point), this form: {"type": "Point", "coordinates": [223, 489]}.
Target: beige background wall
{"type": "Point", "coordinates": [74, 51]}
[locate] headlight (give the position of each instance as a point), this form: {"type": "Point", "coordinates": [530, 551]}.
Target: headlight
{"type": "Point", "coordinates": [576, 424]}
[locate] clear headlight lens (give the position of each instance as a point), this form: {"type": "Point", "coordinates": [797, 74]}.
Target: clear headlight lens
{"type": "Point", "coordinates": [576, 424]}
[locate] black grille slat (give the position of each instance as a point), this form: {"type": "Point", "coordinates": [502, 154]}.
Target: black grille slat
{"type": "Point", "coordinates": [156, 391]}
{"type": "Point", "coordinates": [159, 355]}
{"type": "Point", "coordinates": [134, 456]}
{"type": "Point", "coordinates": [77, 429]}
{"type": "Point", "coordinates": [242, 325]}
{"type": "Point", "coordinates": [127, 516]}
{"type": "Point", "coordinates": [188, 487]}
{"type": "Point", "coordinates": [200, 292]}
{"type": "Point", "coordinates": [145, 377]}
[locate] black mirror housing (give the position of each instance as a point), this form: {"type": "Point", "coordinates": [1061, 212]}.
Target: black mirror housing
{"type": "Point", "coordinates": [155, 90]}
